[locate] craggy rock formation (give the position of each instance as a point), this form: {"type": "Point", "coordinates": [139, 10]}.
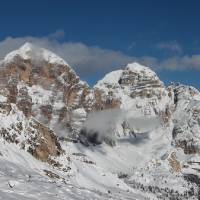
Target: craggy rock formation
{"type": "Point", "coordinates": [186, 129]}
{"type": "Point", "coordinates": [45, 144]}
{"type": "Point", "coordinates": [27, 133]}
{"type": "Point", "coordinates": [42, 85]}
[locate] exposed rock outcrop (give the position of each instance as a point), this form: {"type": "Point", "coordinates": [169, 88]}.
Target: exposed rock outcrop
{"type": "Point", "coordinates": [186, 132]}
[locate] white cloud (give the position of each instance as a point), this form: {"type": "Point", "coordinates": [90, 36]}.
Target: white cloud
{"type": "Point", "coordinates": [181, 62]}
{"type": "Point", "coordinates": [172, 46]}
{"type": "Point", "coordinates": [58, 35]}
{"type": "Point", "coordinates": [88, 60]}
{"type": "Point", "coordinates": [131, 46]}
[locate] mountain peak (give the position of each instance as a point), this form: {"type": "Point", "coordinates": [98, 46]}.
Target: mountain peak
{"type": "Point", "coordinates": [27, 45]}
{"type": "Point", "coordinates": [114, 76]}
{"type": "Point", "coordinates": [33, 52]}
{"type": "Point", "coordinates": [138, 68]}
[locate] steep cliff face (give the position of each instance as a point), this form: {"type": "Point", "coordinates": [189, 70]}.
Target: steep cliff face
{"type": "Point", "coordinates": [27, 133]}
{"type": "Point", "coordinates": [186, 132]}
{"type": "Point", "coordinates": [43, 85]}
{"type": "Point", "coordinates": [135, 87]}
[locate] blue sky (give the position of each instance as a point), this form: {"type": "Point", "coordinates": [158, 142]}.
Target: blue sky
{"type": "Point", "coordinates": [99, 36]}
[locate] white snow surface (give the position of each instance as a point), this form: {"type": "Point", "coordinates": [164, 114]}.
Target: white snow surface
{"type": "Point", "coordinates": [23, 177]}
{"type": "Point", "coordinates": [111, 78]}
{"type": "Point", "coordinates": [31, 51]}
{"type": "Point", "coordinates": [138, 68]}
{"type": "Point", "coordinates": [3, 99]}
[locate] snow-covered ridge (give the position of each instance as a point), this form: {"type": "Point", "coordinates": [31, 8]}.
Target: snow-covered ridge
{"type": "Point", "coordinates": [111, 78]}
{"type": "Point", "coordinates": [33, 52]}
{"type": "Point", "coordinates": [114, 76]}
{"type": "Point", "coordinates": [138, 68]}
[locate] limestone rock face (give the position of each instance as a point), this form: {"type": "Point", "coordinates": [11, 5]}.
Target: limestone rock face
{"type": "Point", "coordinates": [28, 133]}
{"type": "Point", "coordinates": [135, 82]}
{"type": "Point", "coordinates": [174, 163]}
{"type": "Point", "coordinates": [186, 132]}
{"type": "Point", "coordinates": [47, 143]}
{"type": "Point", "coordinates": [42, 85]}
{"type": "Point", "coordinates": [24, 101]}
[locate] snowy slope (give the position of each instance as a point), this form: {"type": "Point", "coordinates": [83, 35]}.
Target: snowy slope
{"type": "Point", "coordinates": [23, 177]}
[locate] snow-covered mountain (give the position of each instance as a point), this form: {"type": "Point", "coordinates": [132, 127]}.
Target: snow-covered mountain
{"type": "Point", "coordinates": [128, 137]}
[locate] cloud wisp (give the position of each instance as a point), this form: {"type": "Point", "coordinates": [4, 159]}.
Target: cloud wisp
{"type": "Point", "coordinates": [103, 123]}
{"type": "Point", "coordinates": [172, 46]}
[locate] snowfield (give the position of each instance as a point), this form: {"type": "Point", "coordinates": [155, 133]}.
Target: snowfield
{"type": "Point", "coordinates": [24, 177]}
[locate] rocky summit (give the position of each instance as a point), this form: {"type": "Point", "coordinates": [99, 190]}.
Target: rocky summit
{"type": "Point", "coordinates": [128, 137]}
